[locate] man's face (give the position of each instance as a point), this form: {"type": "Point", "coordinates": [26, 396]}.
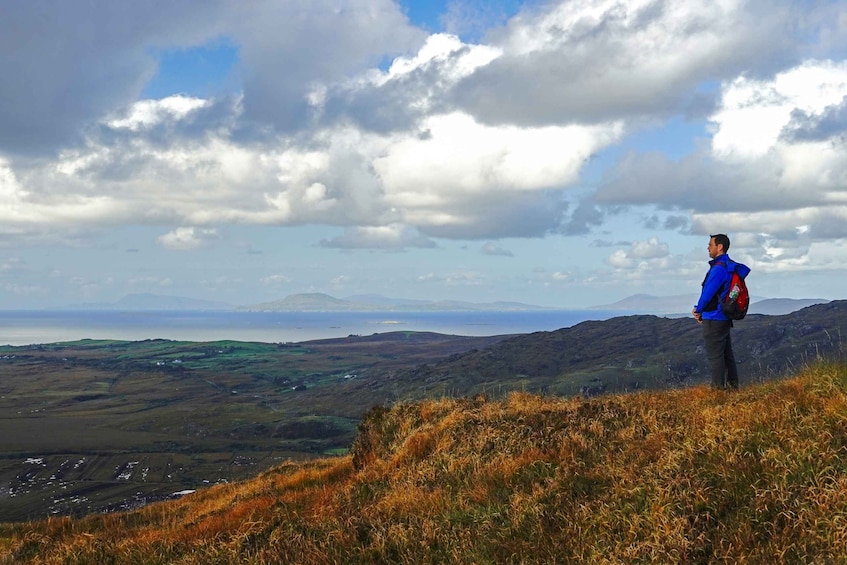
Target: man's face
{"type": "Point", "coordinates": [714, 248]}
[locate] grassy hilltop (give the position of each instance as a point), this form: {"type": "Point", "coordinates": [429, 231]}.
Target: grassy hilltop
{"type": "Point", "coordinates": [689, 475]}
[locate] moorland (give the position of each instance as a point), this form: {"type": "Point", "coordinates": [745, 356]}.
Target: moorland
{"type": "Point", "coordinates": [95, 426]}
{"type": "Point", "coordinates": [691, 475]}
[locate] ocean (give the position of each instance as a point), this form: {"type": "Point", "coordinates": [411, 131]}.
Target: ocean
{"type": "Point", "coordinates": [27, 327]}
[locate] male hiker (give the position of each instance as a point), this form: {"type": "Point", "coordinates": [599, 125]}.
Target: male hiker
{"type": "Point", "coordinates": [708, 312]}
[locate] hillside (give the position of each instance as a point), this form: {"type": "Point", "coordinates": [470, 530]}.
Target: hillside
{"type": "Point", "coordinates": [684, 476]}
{"type": "Point", "coordinates": [621, 354]}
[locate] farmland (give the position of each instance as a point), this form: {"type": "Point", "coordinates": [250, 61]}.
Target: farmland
{"type": "Point", "coordinates": [102, 425]}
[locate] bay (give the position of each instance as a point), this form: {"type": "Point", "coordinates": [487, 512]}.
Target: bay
{"type": "Point", "coordinates": [28, 327]}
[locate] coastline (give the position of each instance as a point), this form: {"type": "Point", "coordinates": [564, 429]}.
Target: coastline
{"type": "Point", "coordinates": [31, 327]}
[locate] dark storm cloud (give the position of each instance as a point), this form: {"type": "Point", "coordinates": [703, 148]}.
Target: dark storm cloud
{"type": "Point", "coordinates": [66, 64]}
{"type": "Point", "coordinates": [832, 123]}
{"type": "Point", "coordinates": [286, 51]}
{"type": "Point", "coordinates": [503, 214]}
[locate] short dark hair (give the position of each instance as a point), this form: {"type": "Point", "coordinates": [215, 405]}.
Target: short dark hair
{"type": "Point", "coordinates": [721, 239]}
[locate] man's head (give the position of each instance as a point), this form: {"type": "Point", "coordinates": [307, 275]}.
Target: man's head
{"type": "Point", "coordinates": [718, 245]}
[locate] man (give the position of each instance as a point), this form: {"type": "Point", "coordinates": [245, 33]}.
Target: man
{"type": "Point", "coordinates": [716, 325]}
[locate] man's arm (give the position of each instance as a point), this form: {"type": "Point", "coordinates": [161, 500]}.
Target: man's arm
{"type": "Point", "coordinates": [711, 286]}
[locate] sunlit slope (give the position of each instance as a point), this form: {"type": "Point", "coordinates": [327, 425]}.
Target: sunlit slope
{"type": "Point", "coordinates": [689, 475]}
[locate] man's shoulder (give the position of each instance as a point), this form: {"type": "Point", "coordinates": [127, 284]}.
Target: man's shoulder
{"type": "Point", "coordinates": [721, 261]}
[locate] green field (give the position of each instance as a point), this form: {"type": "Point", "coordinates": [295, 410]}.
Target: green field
{"type": "Point", "coordinates": [99, 425]}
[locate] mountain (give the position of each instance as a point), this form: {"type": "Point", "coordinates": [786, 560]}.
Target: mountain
{"type": "Point", "coordinates": [779, 306]}
{"type": "Point", "coordinates": [682, 304]}
{"type": "Point", "coordinates": [385, 301]}
{"type": "Point", "coordinates": [683, 476]}
{"type": "Point", "coordinates": [649, 304]}
{"type": "Point", "coordinates": [319, 302]}
{"type": "Point", "coordinates": [308, 302]}
{"type": "Point", "coordinates": [147, 301]}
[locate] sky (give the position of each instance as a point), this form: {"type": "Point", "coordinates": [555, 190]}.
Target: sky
{"type": "Point", "coordinates": [562, 153]}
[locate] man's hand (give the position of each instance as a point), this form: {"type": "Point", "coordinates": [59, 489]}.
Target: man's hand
{"type": "Point", "coordinates": [697, 316]}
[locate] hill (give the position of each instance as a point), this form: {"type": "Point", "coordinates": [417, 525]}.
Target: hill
{"type": "Point", "coordinates": [621, 354]}
{"type": "Point", "coordinates": [779, 306]}
{"type": "Point", "coordinates": [684, 476]}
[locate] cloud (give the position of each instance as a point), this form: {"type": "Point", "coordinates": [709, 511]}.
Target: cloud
{"type": "Point", "coordinates": [273, 280]}
{"type": "Point", "coordinates": [805, 126]}
{"type": "Point", "coordinates": [641, 256]}
{"type": "Point", "coordinates": [392, 237]}
{"type": "Point", "coordinates": [13, 266]}
{"type": "Point", "coordinates": [596, 61]}
{"type": "Point", "coordinates": [452, 279]}
{"type": "Point", "coordinates": [776, 165]}
{"type": "Point", "coordinates": [188, 238]}
{"type": "Point", "coordinates": [151, 282]}
{"type": "Point", "coordinates": [450, 140]}
{"type": "Point", "coordinates": [287, 48]}
{"type": "Point", "coordinates": [491, 248]}
{"type": "Point", "coordinates": [24, 290]}
{"type": "Point", "coordinates": [464, 179]}
{"type": "Point", "coordinates": [412, 88]}
{"type": "Point", "coordinates": [65, 65]}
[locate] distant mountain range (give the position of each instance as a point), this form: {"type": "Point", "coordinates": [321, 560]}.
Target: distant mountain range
{"type": "Point", "coordinates": [674, 305]}
{"type": "Point", "coordinates": [319, 302]}
{"type": "Point", "coordinates": [681, 304]}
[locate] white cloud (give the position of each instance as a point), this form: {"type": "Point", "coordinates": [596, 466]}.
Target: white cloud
{"type": "Point", "coordinates": [188, 238]}
{"type": "Point", "coordinates": [461, 175]}
{"type": "Point", "coordinates": [650, 249]}
{"type": "Point", "coordinates": [600, 60]}
{"type": "Point", "coordinates": [273, 280]}
{"type": "Point", "coordinates": [429, 169]}
{"type": "Point", "coordinates": [455, 278]}
{"type": "Point", "coordinates": [754, 113]}
{"type": "Point", "coordinates": [775, 172]}
{"type": "Point", "coordinates": [350, 117]}
{"type": "Point", "coordinates": [24, 290]}
{"type": "Point", "coordinates": [13, 266]}
{"type": "Point", "coordinates": [148, 113]}
{"type": "Point", "coordinates": [457, 154]}
{"type": "Point", "coordinates": [643, 257]}
{"type": "Point", "coordinates": [491, 248]}
{"type": "Point", "coordinates": [391, 237]}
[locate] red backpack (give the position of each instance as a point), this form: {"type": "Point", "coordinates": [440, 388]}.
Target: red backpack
{"type": "Point", "coordinates": [734, 305]}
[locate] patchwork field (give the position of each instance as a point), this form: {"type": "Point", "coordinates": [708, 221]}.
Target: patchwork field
{"type": "Point", "coordinates": [100, 425]}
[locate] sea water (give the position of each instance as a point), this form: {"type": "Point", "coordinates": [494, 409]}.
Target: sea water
{"type": "Point", "coordinates": [26, 327]}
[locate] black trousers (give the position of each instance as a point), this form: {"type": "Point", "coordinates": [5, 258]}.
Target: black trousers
{"type": "Point", "coordinates": [719, 350]}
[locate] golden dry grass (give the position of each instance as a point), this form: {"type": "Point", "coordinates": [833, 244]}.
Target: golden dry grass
{"type": "Point", "coordinates": [688, 476]}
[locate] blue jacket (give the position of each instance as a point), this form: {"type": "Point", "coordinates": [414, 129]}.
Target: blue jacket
{"type": "Point", "coordinates": [716, 286]}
